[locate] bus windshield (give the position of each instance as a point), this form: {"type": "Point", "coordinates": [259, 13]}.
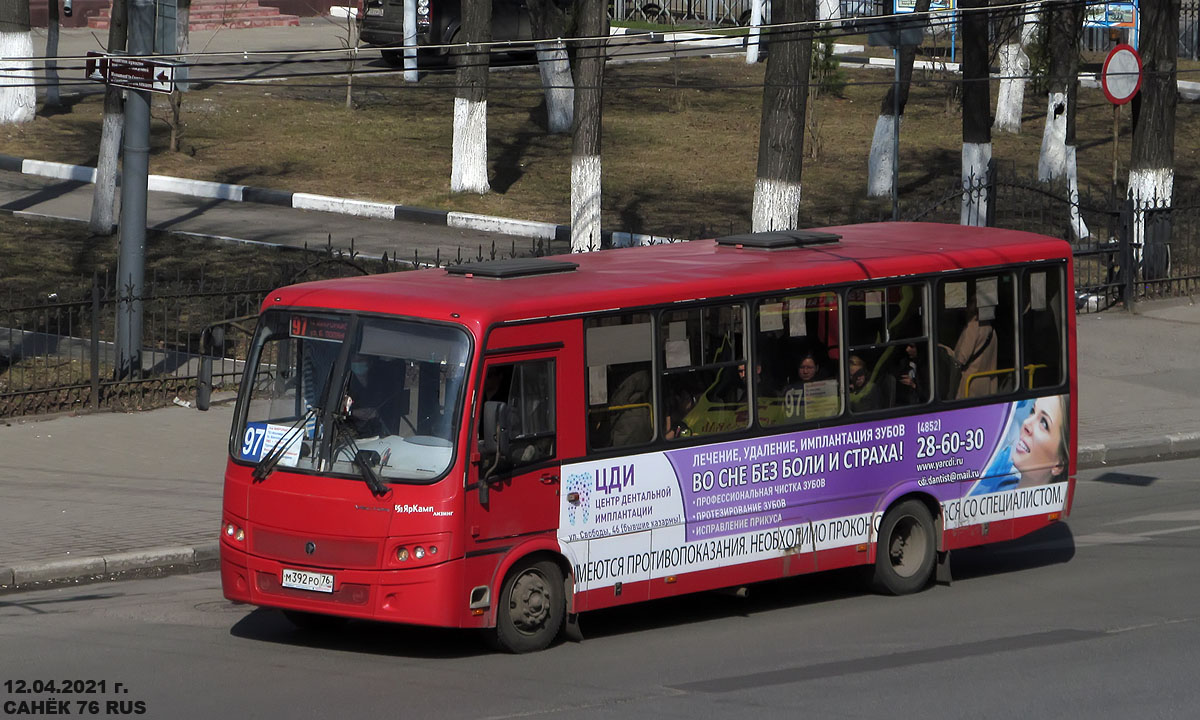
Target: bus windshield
{"type": "Point", "coordinates": [331, 393]}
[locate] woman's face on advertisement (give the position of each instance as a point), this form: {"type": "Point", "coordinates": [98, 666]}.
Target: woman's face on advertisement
{"type": "Point", "coordinates": [1036, 448]}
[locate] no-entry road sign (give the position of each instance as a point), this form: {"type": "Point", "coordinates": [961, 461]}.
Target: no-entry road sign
{"type": "Point", "coordinates": [1121, 75]}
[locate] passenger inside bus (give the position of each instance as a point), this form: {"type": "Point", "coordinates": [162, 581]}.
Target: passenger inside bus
{"type": "Point", "coordinates": [975, 355]}
{"type": "Point", "coordinates": [866, 393]}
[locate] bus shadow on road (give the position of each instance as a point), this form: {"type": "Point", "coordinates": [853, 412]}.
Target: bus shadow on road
{"type": "Point", "coordinates": [362, 637]}
{"type": "Point", "coordinates": [1052, 545]}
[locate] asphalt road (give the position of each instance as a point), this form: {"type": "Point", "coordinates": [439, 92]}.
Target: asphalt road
{"type": "Point", "coordinates": [1096, 618]}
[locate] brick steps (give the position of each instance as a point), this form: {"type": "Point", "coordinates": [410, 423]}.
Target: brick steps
{"type": "Point", "coordinates": [220, 14]}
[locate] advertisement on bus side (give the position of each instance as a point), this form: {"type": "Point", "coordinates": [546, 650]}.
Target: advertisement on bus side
{"type": "Point", "coordinates": [660, 513]}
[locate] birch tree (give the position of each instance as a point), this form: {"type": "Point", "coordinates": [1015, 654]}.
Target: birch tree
{"type": "Point", "coordinates": [592, 26]}
{"type": "Point", "coordinates": [1152, 166]}
{"type": "Point", "coordinates": [976, 115]}
{"type": "Point", "coordinates": [18, 98]}
{"type": "Point", "coordinates": [469, 162]}
{"type": "Point", "coordinates": [1056, 161]}
{"type": "Point", "coordinates": [1017, 29]}
{"type": "Point", "coordinates": [104, 192]}
{"type": "Point", "coordinates": [548, 22]}
{"type": "Point", "coordinates": [883, 143]}
{"type": "Point", "coordinates": [781, 132]}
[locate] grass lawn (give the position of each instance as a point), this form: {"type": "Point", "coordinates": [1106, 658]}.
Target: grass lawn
{"type": "Point", "coordinates": [679, 144]}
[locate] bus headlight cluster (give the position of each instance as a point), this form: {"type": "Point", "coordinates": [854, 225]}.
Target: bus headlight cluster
{"type": "Point", "coordinates": [419, 552]}
{"type": "Point", "coordinates": [234, 532]}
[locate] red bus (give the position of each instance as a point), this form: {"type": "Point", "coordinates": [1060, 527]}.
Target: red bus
{"type": "Point", "coordinates": [504, 445]}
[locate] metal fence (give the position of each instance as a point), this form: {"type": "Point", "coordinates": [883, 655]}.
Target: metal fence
{"type": "Point", "coordinates": [57, 352]}
{"type": "Point", "coordinates": [1124, 253]}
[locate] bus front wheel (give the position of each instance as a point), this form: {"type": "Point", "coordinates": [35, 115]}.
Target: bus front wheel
{"type": "Point", "coordinates": [532, 606]}
{"type": "Point", "coordinates": [904, 556]}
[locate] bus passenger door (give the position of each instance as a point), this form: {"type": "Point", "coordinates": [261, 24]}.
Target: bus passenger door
{"type": "Point", "coordinates": [537, 373]}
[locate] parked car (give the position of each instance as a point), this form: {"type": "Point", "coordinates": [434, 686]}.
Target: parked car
{"type": "Point", "coordinates": [439, 23]}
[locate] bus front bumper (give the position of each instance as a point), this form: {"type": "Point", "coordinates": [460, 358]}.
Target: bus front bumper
{"type": "Point", "coordinates": [431, 595]}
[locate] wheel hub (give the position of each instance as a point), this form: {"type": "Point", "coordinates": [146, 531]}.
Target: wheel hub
{"type": "Point", "coordinates": [529, 606]}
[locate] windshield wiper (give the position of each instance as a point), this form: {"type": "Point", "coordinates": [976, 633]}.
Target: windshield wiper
{"type": "Point", "coordinates": [266, 466]}
{"type": "Point", "coordinates": [369, 476]}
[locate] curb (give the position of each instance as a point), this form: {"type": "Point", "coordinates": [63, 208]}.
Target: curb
{"type": "Point", "coordinates": [1175, 446]}
{"type": "Point", "coordinates": [163, 560]}
{"type": "Point", "coordinates": [325, 203]}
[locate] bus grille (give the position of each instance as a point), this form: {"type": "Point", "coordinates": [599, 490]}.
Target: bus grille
{"type": "Point", "coordinates": [327, 552]}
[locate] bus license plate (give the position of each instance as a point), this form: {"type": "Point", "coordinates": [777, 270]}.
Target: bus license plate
{"type": "Point", "coordinates": [305, 580]}
{"type": "Point", "coordinates": [375, 12]}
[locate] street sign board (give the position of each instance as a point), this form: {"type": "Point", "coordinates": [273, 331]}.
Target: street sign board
{"type": "Point", "coordinates": [138, 73]}
{"type": "Point", "coordinates": [1121, 74]}
{"type": "Point", "coordinates": [95, 67]}
{"type": "Point", "coordinates": [134, 73]}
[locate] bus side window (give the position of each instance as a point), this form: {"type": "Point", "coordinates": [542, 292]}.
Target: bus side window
{"type": "Point", "coordinates": [620, 383]}
{"type": "Point", "coordinates": [888, 363]}
{"type": "Point", "coordinates": [1042, 328]}
{"type": "Point", "coordinates": [705, 389]}
{"type": "Point", "coordinates": [797, 366]}
{"type": "Point", "coordinates": [528, 390]}
{"type": "Point", "coordinates": [531, 412]}
{"type": "Point", "coordinates": [977, 344]}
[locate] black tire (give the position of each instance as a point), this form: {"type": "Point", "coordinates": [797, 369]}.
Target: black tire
{"type": "Point", "coordinates": [532, 607]}
{"type": "Point", "coordinates": [315, 622]}
{"type": "Point", "coordinates": [905, 551]}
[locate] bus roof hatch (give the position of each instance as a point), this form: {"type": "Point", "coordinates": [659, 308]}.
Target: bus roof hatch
{"type": "Point", "coordinates": [515, 268]}
{"type": "Point", "coordinates": [779, 239]}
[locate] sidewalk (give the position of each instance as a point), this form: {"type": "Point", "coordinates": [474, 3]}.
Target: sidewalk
{"type": "Point", "coordinates": [100, 494]}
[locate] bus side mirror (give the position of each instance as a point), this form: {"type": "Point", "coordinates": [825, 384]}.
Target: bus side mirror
{"type": "Point", "coordinates": [493, 444]}
{"type": "Point", "coordinates": [204, 384]}
{"type": "Point", "coordinates": [212, 342]}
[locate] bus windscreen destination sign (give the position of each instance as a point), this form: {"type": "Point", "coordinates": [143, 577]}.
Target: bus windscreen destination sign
{"type": "Point", "coordinates": [319, 328]}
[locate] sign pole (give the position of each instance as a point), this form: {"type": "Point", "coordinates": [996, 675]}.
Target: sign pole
{"type": "Point", "coordinates": [135, 170]}
{"type": "Point", "coordinates": [1116, 137]}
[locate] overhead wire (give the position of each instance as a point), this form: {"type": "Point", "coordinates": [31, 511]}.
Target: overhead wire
{"type": "Point", "coordinates": [632, 47]}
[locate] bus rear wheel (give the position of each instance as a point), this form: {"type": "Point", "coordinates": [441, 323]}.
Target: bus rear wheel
{"type": "Point", "coordinates": [905, 553]}
{"type": "Point", "coordinates": [532, 607]}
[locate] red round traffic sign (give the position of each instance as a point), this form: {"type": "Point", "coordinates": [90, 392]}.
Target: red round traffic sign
{"type": "Point", "coordinates": [1121, 75]}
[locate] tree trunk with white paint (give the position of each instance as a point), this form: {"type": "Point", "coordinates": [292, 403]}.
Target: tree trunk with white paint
{"type": "Point", "coordinates": [1017, 28]}
{"type": "Point", "coordinates": [883, 143]}
{"type": "Point", "coordinates": [18, 99]}
{"type": "Point", "coordinates": [104, 194]}
{"type": "Point", "coordinates": [1064, 26]}
{"type": "Point", "coordinates": [1056, 161]}
{"type": "Point", "coordinates": [548, 23]}
{"type": "Point", "coordinates": [781, 133]}
{"type": "Point", "coordinates": [1152, 174]}
{"type": "Point", "coordinates": [591, 22]}
{"type": "Point", "coordinates": [469, 162]}
{"type": "Point", "coordinates": [754, 33]}
{"type": "Point", "coordinates": [976, 113]}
